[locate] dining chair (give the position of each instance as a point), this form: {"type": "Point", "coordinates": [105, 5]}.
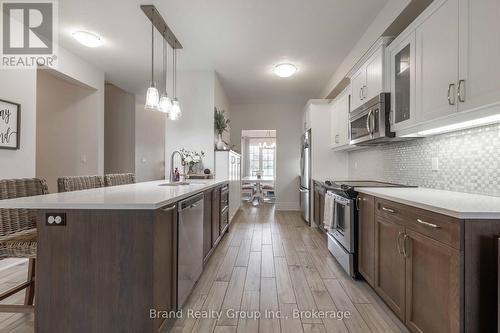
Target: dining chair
{"type": "Point", "coordinates": [114, 179]}
{"type": "Point", "coordinates": [18, 236]}
{"type": "Point", "coordinates": [77, 183]}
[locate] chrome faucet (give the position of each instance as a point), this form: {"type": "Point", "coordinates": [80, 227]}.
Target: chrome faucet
{"type": "Point", "coordinates": [172, 179]}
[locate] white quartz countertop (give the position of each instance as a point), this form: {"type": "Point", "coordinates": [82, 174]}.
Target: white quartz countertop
{"type": "Point", "coordinates": [456, 204]}
{"type": "Point", "coordinates": [147, 195]}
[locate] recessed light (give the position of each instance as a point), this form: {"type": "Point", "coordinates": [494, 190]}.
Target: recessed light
{"type": "Point", "coordinates": [284, 70]}
{"type": "Point", "coordinates": [88, 39]}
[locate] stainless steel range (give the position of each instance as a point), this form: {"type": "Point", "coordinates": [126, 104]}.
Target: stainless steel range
{"type": "Point", "coordinates": [341, 220]}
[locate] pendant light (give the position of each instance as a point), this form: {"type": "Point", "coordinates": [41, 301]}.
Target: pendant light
{"type": "Point", "coordinates": [176, 112]}
{"type": "Point", "coordinates": [152, 96]}
{"type": "Point", "coordinates": [165, 101]}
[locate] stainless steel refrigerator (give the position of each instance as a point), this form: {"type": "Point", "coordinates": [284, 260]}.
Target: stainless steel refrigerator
{"type": "Point", "coordinates": [305, 176]}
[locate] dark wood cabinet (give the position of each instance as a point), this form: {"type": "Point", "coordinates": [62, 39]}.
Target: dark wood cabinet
{"type": "Point", "coordinates": [366, 237]}
{"type": "Point", "coordinates": [321, 206]}
{"type": "Point", "coordinates": [315, 214]}
{"type": "Point", "coordinates": [207, 223]}
{"type": "Point", "coordinates": [216, 231]}
{"type": "Point", "coordinates": [390, 265]}
{"type": "Point", "coordinates": [165, 262]}
{"type": "Point", "coordinates": [318, 203]}
{"type": "Point", "coordinates": [215, 218]}
{"type": "Point", "coordinates": [432, 285]}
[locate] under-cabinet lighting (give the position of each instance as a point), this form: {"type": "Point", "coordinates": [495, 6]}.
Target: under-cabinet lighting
{"type": "Point", "coordinates": [460, 126]}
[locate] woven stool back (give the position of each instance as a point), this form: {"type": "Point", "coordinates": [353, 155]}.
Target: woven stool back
{"type": "Point", "coordinates": [15, 220]}
{"type": "Point", "coordinates": [114, 179]}
{"type": "Point", "coordinates": [77, 183]}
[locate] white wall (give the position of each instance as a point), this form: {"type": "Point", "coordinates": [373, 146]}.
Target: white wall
{"type": "Point", "coordinates": [222, 103]}
{"type": "Point", "coordinates": [20, 86]}
{"type": "Point", "coordinates": [383, 20]}
{"type": "Point", "coordinates": [67, 143]}
{"type": "Point", "coordinates": [149, 143]}
{"type": "Point", "coordinates": [119, 134]}
{"type": "Point", "coordinates": [326, 164]}
{"type": "Point", "coordinates": [195, 129]}
{"type": "Point", "coordinates": [286, 119]}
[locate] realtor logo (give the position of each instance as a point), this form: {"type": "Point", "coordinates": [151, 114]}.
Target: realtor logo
{"type": "Point", "coordinates": [28, 33]}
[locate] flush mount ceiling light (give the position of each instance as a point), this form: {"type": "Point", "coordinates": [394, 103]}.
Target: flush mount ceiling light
{"type": "Point", "coordinates": [285, 70]}
{"type": "Point", "coordinates": [88, 39]}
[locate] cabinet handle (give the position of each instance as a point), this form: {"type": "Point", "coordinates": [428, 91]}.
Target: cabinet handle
{"type": "Point", "coordinates": [398, 241]}
{"type": "Point", "coordinates": [461, 97]}
{"type": "Point", "coordinates": [392, 211]}
{"type": "Point", "coordinates": [361, 93]}
{"type": "Point", "coordinates": [337, 138]}
{"type": "Point", "coordinates": [358, 203]}
{"type": "Point", "coordinates": [168, 209]}
{"type": "Point", "coordinates": [428, 224]}
{"type": "Point", "coordinates": [405, 253]}
{"type": "Point", "coordinates": [451, 85]}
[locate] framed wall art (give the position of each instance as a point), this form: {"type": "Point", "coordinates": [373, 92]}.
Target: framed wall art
{"type": "Point", "coordinates": [10, 125]}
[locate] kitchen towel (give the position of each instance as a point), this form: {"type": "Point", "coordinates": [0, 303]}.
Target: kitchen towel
{"type": "Point", "coordinates": [329, 210]}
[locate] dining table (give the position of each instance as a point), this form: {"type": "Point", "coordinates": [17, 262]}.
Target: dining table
{"type": "Point", "coordinates": [257, 197]}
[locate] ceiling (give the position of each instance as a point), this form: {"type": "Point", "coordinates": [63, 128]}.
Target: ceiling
{"type": "Point", "coordinates": [240, 39]}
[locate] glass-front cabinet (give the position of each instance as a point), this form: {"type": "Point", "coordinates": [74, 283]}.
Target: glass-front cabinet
{"type": "Point", "coordinates": [402, 55]}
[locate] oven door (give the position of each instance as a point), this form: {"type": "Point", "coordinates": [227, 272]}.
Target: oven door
{"type": "Point", "coordinates": [366, 125]}
{"type": "Point", "coordinates": [343, 219]}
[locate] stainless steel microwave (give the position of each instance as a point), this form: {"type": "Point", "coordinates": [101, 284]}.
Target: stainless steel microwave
{"type": "Point", "coordinates": [370, 123]}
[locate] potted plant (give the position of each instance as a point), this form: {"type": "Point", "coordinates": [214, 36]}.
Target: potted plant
{"type": "Point", "coordinates": [221, 125]}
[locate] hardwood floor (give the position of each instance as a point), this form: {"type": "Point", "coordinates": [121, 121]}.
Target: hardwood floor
{"type": "Point", "coordinates": [268, 261]}
{"type": "Point", "coordinates": [272, 261]}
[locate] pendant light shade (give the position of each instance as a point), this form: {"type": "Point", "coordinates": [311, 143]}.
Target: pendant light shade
{"type": "Point", "coordinates": [175, 112]}
{"type": "Point", "coordinates": [165, 101]}
{"type": "Point", "coordinates": [152, 95]}
{"type": "Point", "coordinates": [152, 99]}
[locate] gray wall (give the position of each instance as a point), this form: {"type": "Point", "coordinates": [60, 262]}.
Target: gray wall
{"type": "Point", "coordinates": [119, 134]}
{"type": "Point", "coordinates": [286, 119]}
{"type": "Point", "coordinates": [469, 161]}
{"type": "Point", "coordinates": [67, 132]}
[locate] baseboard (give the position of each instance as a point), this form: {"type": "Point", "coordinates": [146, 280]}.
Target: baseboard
{"type": "Point", "coordinates": [293, 206]}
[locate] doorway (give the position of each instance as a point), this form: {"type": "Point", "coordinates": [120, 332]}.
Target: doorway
{"type": "Point", "coordinates": [258, 151]}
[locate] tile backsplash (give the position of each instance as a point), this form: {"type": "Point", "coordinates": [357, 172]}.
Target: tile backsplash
{"type": "Point", "coordinates": [468, 161]}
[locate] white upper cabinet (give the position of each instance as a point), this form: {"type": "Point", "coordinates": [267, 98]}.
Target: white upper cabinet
{"type": "Point", "coordinates": [456, 48]}
{"type": "Point", "coordinates": [374, 75]}
{"type": "Point", "coordinates": [368, 81]}
{"type": "Point", "coordinates": [402, 74]}
{"type": "Point", "coordinates": [437, 63]}
{"type": "Point", "coordinates": [479, 78]}
{"type": "Point", "coordinates": [358, 82]}
{"type": "Point", "coordinates": [339, 119]}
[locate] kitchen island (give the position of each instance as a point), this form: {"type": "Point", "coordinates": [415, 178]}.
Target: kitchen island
{"type": "Point", "coordinates": [106, 257]}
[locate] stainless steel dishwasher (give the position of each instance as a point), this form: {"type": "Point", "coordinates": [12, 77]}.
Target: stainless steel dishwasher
{"type": "Point", "coordinates": [190, 246]}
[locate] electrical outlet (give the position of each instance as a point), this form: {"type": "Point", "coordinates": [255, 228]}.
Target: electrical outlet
{"type": "Point", "coordinates": [55, 219]}
{"type": "Point", "coordinates": [435, 164]}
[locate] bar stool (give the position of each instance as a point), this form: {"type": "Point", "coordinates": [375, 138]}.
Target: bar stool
{"type": "Point", "coordinates": [18, 236]}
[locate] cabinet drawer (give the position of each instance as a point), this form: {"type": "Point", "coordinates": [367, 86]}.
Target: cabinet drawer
{"type": "Point", "coordinates": [391, 211]}
{"type": "Point", "coordinates": [442, 228]}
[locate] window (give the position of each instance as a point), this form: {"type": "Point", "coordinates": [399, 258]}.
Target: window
{"type": "Point", "coordinates": [261, 156]}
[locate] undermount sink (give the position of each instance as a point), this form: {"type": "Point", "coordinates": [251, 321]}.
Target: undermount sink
{"type": "Point", "coordinates": [175, 184]}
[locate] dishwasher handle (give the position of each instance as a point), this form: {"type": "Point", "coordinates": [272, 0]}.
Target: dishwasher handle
{"type": "Point", "coordinates": [191, 202]}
